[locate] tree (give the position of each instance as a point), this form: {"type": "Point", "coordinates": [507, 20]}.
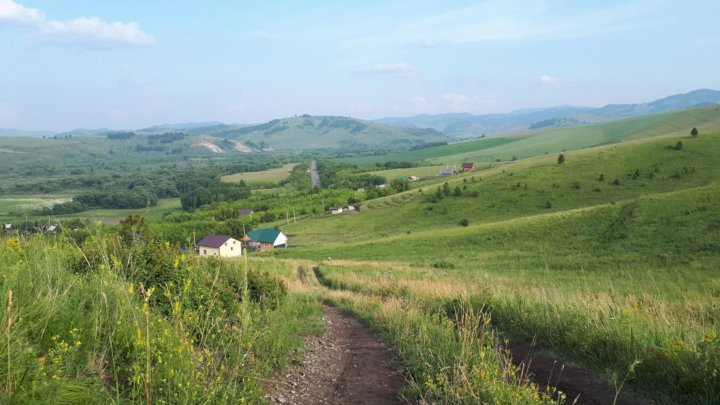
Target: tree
{"type": "Point", "coordinates": [561, 159]}
{"type": "Point", "coordinates": [679, 145]}
{"type": "Point", "coordinates": [694, 132]}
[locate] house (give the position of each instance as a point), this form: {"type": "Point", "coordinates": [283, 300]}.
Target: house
{"type": "Point", "coordinates": [467, 167]}
{"type": "Point", "coordinates": [244, 212]}
{"type": "Point", "coordinates": [413, 178]}
{"type": "Point", "coordinates": [336, 210]}
{"type": "Point", "coordinates": [219, 245]}
{"type": "Point", "coordinates": [266, 239]}
{"type": "Point", "coordinates": [447, 172]}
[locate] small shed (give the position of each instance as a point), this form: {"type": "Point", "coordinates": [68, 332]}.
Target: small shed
{"type": "Point", "coordinates": [336, 210]}
{"type": "Point", "coordinates": [447, 172]}
{"type": "Point", "coordinates": [245, 212]}
{"type": "Point", "coordinates": [220, 246]}
{"type": "Point", "coordinates": [266, 239]}
{"type": "Point", "coordinates": [8, 227]}
{"type": "Point", "coordinates": [468, 166]}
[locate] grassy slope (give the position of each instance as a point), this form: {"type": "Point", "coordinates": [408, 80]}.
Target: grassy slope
{"type": "Point", "coordinates": [610, 277]}
{"type": "Point", "coordinates": [557, 140]}
{"type": "Point", "coordinates": [527, 188]}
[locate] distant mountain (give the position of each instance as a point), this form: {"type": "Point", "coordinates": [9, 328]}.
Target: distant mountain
{"type": "Point", "coordinates": [20, 132]}
{"type": "Point", "coordinates": [464, 125]}
{"type": "Point", "coordinates": [311, 132]}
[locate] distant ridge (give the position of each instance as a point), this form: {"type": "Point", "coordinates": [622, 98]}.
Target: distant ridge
{"type": "Point", "coordinates": [318, 132]}
{"type": "Point", "coordinates": [465, 125]}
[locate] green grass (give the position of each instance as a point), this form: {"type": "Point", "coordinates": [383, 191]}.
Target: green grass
{"type": "Point", "coordinates": [434, 153]}
{"type": "Point", "coordinates": [532, 187]}
{"type": "Point", "coordinates": [108, 215]}
{"type": "Point", "coordinates": [22, 204]}
{"type": "Point", "coordinates": [609, 274]}
{"type": "Point", "coordinates": [120, 322]}
{"type": "Point", "coordinates": [271, 175]}
{"type": "Point", "coordinates": [420, 171]}
{"type": "Point", "coordinates": [557, 140]}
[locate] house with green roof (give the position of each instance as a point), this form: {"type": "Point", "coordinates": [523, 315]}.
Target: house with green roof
{"type": "Point", "coordinates": [266, 239]}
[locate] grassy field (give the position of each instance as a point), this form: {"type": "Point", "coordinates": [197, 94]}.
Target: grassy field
{"type": "Point", "coordinates": [558, 140]}
{"type": "Point", "coordinates": [23, 204]}
{"type": "Point", "coordinates": [112, 216]}
{"type": "Point", "coordinates": [269, 176]}
{"type": "Point", "coordinates": [608, 259]}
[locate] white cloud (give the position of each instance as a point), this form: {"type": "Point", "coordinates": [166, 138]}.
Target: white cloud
{"type": "Point", "coordinates": [89, 32]}
{"type": "Point", "coordinates": [390, 68]}
{"type": "Point", "coordinates": [547, 79]}
{"type": "Point", "coordinates": [13, 12]}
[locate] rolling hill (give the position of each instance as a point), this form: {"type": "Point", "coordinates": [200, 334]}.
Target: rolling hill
{"type": "Point", "coordinates": [463, 125]}
{"type": "Point", "coordinates": [318, 132]}
{"type": "Point", "coordinates": [557, 140]}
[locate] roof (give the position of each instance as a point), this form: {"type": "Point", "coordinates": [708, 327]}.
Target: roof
{"type": "Point", "coordinates": [246, 211]}
{"type": "Point", "coordinates": [267, 235]}
{"type": "Point", "coordinates": [213, 241]}
{"type": "Point", "coordinates": [468, 165]}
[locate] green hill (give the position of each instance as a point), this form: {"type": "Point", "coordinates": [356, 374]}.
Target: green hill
{"type": "Point", "coordinates": [527, 145]}
{"type": "Point", "coordinates": [589, 178]}
{"type": "Point", "coordinates": [319, 132]}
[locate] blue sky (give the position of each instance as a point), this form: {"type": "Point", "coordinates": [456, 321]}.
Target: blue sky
{"type": "Point", "coordinates": [129, 64]}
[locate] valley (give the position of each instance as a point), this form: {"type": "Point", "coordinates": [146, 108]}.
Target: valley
{"type": "Point", "coordinates": [593, 247]}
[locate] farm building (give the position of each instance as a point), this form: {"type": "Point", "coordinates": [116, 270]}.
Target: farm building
{"type": "Point", "coordinates": [336, 210]}
{"type": "Point", "coordinates": [447, 172]}
{"type": "Point", "coordinates": [468, 167]}
{"type": "Point", "coordinates": [266, 239]}
{"type": "Point", "coordinates": [219, 245]}
{"type": "Point", "coordinates": [244, 212]}
{"type": "Point", "coordinates": [8, 227]}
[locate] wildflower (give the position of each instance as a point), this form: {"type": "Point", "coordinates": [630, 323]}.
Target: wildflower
{"type": "Point", "coordinates": [709, 337]}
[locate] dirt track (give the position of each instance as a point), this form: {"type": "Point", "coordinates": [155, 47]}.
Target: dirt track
{"type": "Point", "coordinates": [347, 365]}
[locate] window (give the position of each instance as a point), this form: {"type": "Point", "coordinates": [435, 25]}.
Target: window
{"type": "Point", "coordinates": [205, 252]}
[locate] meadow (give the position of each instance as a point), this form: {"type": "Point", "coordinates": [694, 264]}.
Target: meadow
{"type": "Point", "coordinates": [266, 176]}
{"type": "Point", "coordinates": [607, 260]}
{"type": "Point", "coordinates": [553, 141]}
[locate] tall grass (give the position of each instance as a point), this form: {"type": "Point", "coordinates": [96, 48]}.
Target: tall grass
{"type": "Point", "coordinates": [107, 324]}
{"type": "Point", "coordinates": [671, 345]}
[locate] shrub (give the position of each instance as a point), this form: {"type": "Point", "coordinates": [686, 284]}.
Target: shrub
{"type": "Point", "coordinates": [561, 159]}
{"type": "Point", "coordinates": [464, 222]}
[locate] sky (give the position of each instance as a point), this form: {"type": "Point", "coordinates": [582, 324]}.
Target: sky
{"type": "Point", "coordinates": [131, 64]}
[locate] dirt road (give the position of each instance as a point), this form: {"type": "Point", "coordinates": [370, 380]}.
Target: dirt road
{"type": "Point", "coordinates": [347, 365]}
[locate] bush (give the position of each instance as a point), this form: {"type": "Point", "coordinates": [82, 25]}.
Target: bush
{"type": "Point", "coordinates": [464, 222]}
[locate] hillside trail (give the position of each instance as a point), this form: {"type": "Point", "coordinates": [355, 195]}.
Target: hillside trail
{"type": "Point", "coordinates": [348, 365]}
